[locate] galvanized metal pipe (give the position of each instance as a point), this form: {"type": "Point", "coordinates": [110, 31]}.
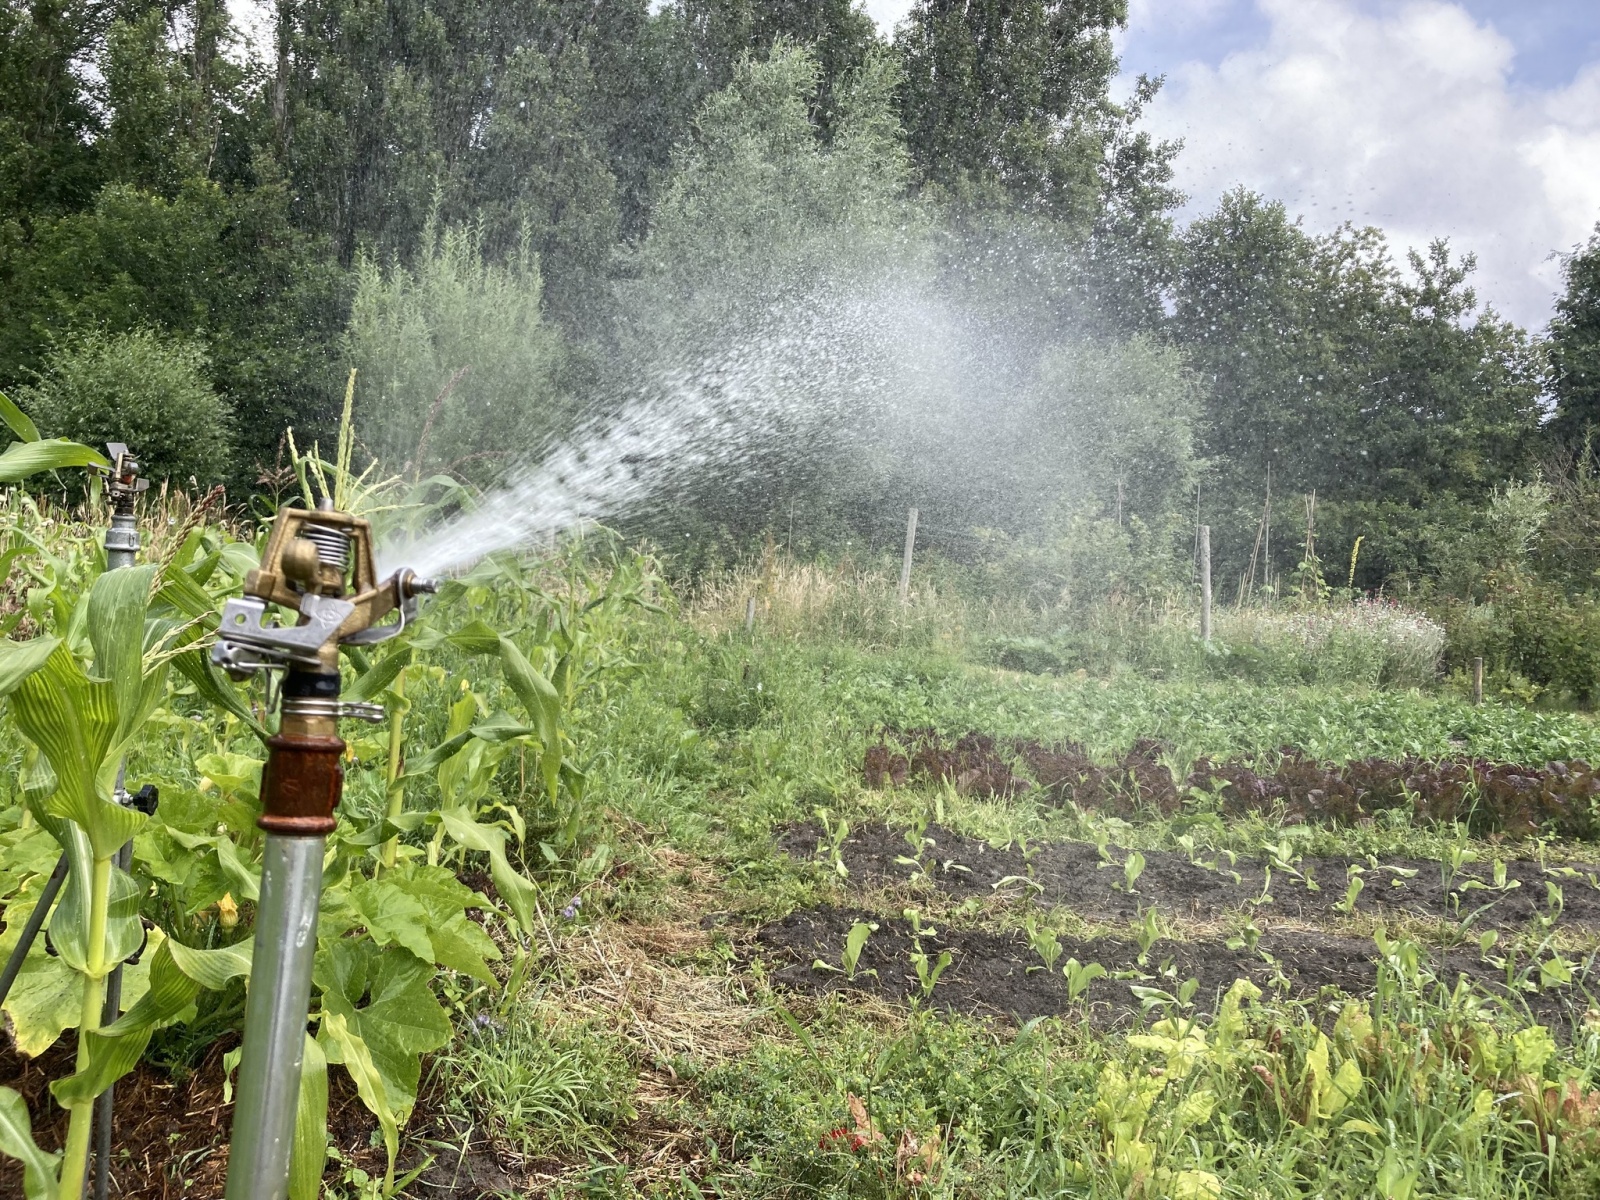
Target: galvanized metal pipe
{"type": "Point", "coordinates": [275, 1018]}
{"type": "Point", "coordinates": [122, 541]}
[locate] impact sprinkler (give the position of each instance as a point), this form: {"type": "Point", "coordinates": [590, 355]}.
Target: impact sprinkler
{"type": "Point", "coordinates": [318, 565]}
{"type": "Point", "coordinates": [123, 485]}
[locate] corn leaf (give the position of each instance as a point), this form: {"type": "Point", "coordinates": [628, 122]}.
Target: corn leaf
{"type": "Point", "coordinates": [22, 459]}
{"type": "Point", "coordinates": [194, 666]}
{"type": "Point", "coordinates": [18, 421]}
{"type": "Point", "coordinates": [310, 1155]}
{"type": "Point", "coordinates": [18, 660]}
{"type": "Point", "coordinates": [118, 604]}
{"type": "Point", "coordinates": [16, 1141]}
{"type": "Point", "coordinates": [73, 720]}
{"type": "Point", "coordinates": [213, 969]}
{"type": "Point", "coordinates": [114, 1050]}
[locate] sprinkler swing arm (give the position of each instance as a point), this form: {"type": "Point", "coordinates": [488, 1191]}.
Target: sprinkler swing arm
{"type": "Point", "coordinates": [317, 564]}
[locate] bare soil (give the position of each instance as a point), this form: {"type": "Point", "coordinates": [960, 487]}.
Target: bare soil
{"type": "Point", "coordinates": [999, 974]}
{"type": "Point", "coordinates": [1075, 875]}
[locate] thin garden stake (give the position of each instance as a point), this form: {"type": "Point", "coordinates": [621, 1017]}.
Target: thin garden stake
{"type": "Point", "coordinates": [319, 565]}
{"type": "Point", "coordinates": [1205, 584]}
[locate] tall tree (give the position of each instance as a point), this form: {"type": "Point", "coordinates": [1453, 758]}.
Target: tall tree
{"type": "Point", "coordinates": [48, 114]}
{"type": "Point", "coordinates": [1008, 98]}
{"type": "Point", "coordinates": [1575, 351]}
{"type": "Point", "coordinates": [1394, 395]}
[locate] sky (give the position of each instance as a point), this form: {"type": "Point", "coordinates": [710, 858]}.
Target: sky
{"type": "Point", "coordinates": [1473, 120]}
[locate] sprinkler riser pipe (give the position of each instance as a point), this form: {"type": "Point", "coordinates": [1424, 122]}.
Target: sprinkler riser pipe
{"type": "Point", "coordinates": [275, 1018]}
{"type": "Point", "coordinates": [122, 541]}
{"type": "Point", "coordinates": [300, 788]}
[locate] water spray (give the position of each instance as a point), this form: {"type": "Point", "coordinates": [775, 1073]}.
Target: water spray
{"type": "Point", "coordinates": [318, 564]}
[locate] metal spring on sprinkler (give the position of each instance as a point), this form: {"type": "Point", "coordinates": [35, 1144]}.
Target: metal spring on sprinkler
{"type": "Point", "coordinates": [333, 545]}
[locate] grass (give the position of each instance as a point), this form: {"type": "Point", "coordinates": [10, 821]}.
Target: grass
{"type": "Point", "coordinates": [644, 1045]}
{"type": "Point", "coordinates": [725, 738]}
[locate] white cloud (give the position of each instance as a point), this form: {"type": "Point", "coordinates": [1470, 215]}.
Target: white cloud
{"type": "Point", "coordinates": [887, 13]}
{"type": "Point", "coordinates": [1403, 119]}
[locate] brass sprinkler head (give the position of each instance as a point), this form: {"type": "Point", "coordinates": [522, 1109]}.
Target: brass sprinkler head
{"type": "Point", "coordinates": [318, 564]}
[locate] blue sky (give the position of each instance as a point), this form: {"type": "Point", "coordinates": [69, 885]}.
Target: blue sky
{"type": "Point", "coordinates": [1475, 120]}
{"type": "Point", "coordinates": [1553, 39]}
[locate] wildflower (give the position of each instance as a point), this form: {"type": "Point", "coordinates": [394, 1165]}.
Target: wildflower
{"type": "Point", "coordinates": [570, 912]}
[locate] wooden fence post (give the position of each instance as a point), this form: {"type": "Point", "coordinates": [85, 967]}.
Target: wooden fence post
{"type": "Point", "coordinates": [1205, 583]}
{"type": "Point", "coordinates": [750, 615]}
{"type": "Point", "coordinates": [905, 563]}
{"type": "Point", "coordinates": [1477, 681]}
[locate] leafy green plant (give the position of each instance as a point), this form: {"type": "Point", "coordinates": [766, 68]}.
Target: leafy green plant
{"type": "Point", "coordinates": [1352, 891]}
{"type": "Point", "coordinates": [1132, 868]}
{"type": "Point", "coordinates": [1080, 976]}
{"type": "Point", "coordinates": [834, 834]}
{"type": "Point", "coordinates": [855, 941]}
{"type": "Point", "coordinates": [928, 970]}
{"type": "Point", "coordinates": [1043, 940]}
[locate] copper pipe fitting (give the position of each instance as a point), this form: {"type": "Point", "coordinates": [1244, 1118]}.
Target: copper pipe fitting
{"type": "Point", "coordinates": [301, 785]}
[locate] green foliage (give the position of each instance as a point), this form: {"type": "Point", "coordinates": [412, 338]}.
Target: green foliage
{"type": "Point", "coordinates": [1385, 393]}
{"type": "Point", "coordinates": [458, 370]}
{"type": "Point", "coordinates": [223, 272]}
{"type": "Point", "coordinates": [1123, 415]}
{"type": "Point", "coordinates": [1010, 98]}
{"type": "Point", "coordinates": [545, 1086]}
{"type": "Point", "coordinates": [140, 389]}
{"type": "Point", "coordinates": [1575, 349]}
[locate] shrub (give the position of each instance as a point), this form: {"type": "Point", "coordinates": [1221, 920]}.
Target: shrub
{"type": "Point", "coordinates": [458, 370]}
{"type": "Point", "coordinates": [148, 391]}
{"type": "Point", "coordinates": [1531, 630]}
{"type": "Point", "coordinates": [1369, 643]}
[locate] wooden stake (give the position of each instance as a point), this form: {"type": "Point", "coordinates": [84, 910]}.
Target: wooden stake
{"type": "Point", "coordinates": [1477, 681]}
{"type": "Point", "coordinates": [905, 563]}
{"type": "Point", "coordinates": [1205, 583]}
{"type": "Point", "coordinates": [750, 615]}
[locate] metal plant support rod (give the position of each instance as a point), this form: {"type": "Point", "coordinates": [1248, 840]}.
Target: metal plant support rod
{"type": "Point", "coordinates": [30, 931]}
{"type": "Point", "coordinates": [317, 564]}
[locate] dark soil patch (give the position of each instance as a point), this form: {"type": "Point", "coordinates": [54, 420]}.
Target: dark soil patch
{"type": "Point", "coordinates": [1073, 874]}
{"type": "Point", "coordinates": [1487, 797]}
{"type": "Point", "coordinates": [1000, 974]}
{"type": "Point", "coordinates": [170, 1137]}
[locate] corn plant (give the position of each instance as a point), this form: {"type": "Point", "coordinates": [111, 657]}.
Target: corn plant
{"type": "Point", "coordinates": [82, 699]}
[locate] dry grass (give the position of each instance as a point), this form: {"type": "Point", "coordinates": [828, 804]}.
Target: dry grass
{"type": "Point", "coordinates": [839, 601]}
